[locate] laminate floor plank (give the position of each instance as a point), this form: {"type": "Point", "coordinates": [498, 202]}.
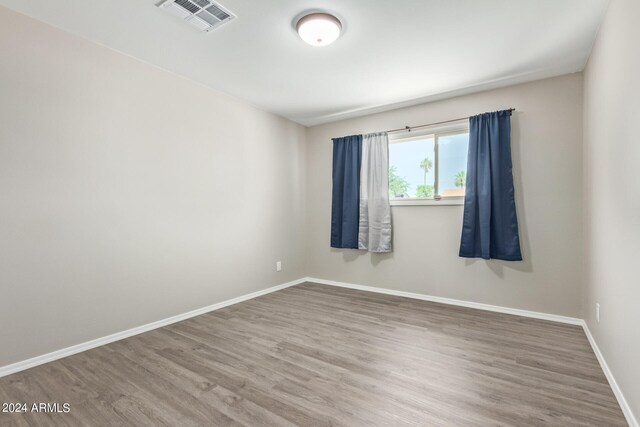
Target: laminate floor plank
{"type": "Point", "coordinates": [316, 355]}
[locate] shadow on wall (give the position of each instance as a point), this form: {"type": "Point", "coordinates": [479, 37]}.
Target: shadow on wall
{"type": "Point", "coordinates": [498, 266]}
{"type": "Point", "coordinates": [350, 255]}
{"type": "Point", "coordinates": [526, 265]}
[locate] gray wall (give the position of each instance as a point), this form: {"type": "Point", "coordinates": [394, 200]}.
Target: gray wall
{"type": "Point", "coordinates": [128, 194]}
{"type": "Point", "coordinates": [547, 148]}
{"type": "Point", "coordinates": [612, 190]}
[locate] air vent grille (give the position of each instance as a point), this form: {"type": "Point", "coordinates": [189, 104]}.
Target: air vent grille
{"type": "Point", "coordinates": [205, 15]}
{"type": "Point", "coordinates": [186, 4]}
{"type": "Point", "coordinates": [217, 12]}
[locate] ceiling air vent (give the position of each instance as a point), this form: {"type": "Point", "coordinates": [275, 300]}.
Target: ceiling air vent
{"type": "Point", "coordinates": [205, 15]}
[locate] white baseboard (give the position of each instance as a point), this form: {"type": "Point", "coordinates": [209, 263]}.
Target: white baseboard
{"type": "Point", "coordinates": [624, 405]}
{"type": "Point", "coordinates": [450, 301]}
{"type": "Point", "coordinates": [88, 345]}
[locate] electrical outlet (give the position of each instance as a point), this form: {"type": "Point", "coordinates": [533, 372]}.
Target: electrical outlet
{"type": "Point", "coordinates": [278, 265]}
{"type": "Point", "coordinates": [598, 312]}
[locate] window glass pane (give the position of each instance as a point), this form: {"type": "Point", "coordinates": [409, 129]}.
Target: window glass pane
{"type": "Point", "coordinates": [411, 172]}
{"type": "Point", "coordinates": [452, 164]}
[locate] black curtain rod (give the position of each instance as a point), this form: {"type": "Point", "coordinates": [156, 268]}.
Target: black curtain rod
{"type": "Point", "coordinates": [410, 128]}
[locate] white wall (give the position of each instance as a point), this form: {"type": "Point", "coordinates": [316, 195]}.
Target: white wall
{"type": "Point", "coordinates": [612, 194]}
{"type": "Point", "coordinates": [547, 148]}
{"type": "Point", "coordinates": [128, 194]}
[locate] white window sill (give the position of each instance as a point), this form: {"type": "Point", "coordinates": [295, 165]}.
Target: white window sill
{"type": "Point", "coordinates": [444, 201]}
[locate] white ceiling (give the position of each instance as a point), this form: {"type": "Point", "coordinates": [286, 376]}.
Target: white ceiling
{"type": "Point", "coordinates": [392, 53]}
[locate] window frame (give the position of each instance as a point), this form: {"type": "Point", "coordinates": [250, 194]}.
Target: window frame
{"type": "Point", "coordinates": [461, 126]}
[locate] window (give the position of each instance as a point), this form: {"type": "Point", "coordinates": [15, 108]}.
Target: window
{"type": "Point", "coordinates": [429, 166]}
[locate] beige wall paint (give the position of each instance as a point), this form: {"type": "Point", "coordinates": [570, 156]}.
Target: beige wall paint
{"type": "Point", "coordinates": [612, 190]}
{"type": "Point", "coordinates": [547, 148]}
{"type": "Point", "coordinates": [128, 194]}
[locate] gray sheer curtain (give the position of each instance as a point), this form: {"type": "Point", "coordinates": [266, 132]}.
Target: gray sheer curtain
{"type": "Point", "coordinates": [374, 232]}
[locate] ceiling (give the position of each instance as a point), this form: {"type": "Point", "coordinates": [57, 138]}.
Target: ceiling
{"type": "Point", "coordinates": [392, 53]}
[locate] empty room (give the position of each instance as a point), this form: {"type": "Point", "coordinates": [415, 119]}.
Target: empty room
{"type": "Point", "coordinates": [319, 213]}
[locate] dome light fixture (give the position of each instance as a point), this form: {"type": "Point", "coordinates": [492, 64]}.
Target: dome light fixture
{"type": "Point", "coordinates": [319, 29]}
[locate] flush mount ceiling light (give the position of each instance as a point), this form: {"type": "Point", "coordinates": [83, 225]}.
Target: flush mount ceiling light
{"type": "Point", "coordinates": [319, 29]}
